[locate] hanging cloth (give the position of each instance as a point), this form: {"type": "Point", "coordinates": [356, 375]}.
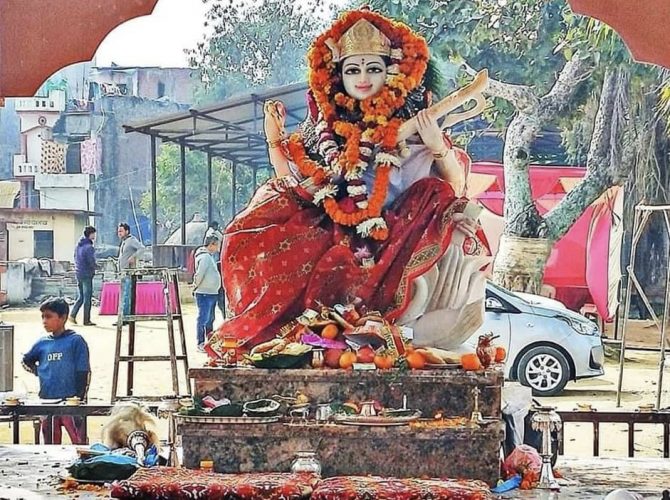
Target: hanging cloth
{"type": "Point", "coordinates": [90, 157]}
{"type": "Point", "coordinates": [53, 158]}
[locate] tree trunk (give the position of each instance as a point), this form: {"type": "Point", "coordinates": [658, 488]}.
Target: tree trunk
{"type": "Point", "coordinates": [529, 238]}
{"type": "Point", "coordinates": [523, 251]}
{"type": "Point", "coordinates": [520, 262]}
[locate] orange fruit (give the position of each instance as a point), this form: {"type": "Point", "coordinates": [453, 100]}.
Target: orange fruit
{"type": "Point", "coordinates": [501, 354]}
{"type": "Point", "coordinates": [330, 332]}
{"type": "Point", "coordinates": [384, 361]}
{"type": "Point", "coordinates": [416, 361]}
{"type": "Point", "coordinates": [347, 360]}
{"type": "Point", "coordinates": [471, 362]}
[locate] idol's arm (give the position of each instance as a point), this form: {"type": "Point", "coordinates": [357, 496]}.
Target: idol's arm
{"type": "Point", "coordinates": [275, 132]}
{"type": "Point", "coordinates": [448, 168]}
{"type": "Point", "coordinates": [278, 159]}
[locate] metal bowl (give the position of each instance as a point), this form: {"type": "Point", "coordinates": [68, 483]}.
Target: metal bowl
{"type": "Point", "coordinates": [261, 408]}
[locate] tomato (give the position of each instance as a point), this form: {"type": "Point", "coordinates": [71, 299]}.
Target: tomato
{"type": "Point", "coordinates": [332, 358]}
{"type": "Point", "coordinates": [501, 354]}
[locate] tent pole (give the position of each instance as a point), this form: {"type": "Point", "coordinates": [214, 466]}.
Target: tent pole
{"type": "Point", "coordinates": [210, 208]}
{"type": "Point", "coordinates": [626, 311]}
{"type": "Point", "coordinates": [154, 195]}
{"type": "Point", "coordinates": [182, 178]}
{"type": "Point", "coordinates": [666, 309]}
{"type": "Point", "coordinates": [234, 194]}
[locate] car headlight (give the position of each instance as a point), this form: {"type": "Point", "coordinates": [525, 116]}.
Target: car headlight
{"type": "Point", "coordinates": [581, 327]}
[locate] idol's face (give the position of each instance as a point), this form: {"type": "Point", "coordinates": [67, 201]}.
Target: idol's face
{"type": "Point", "coordinates": [363, 76]}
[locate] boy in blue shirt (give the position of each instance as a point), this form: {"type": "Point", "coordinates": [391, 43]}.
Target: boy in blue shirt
{"type": "Point", "coordinates": [61, 362]}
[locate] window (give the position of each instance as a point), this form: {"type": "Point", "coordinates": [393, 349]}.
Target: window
{"type": "Point", "coordinates": [44, 244]}
{"type": "Point", "coordinates": [73, 158]}
{"type": "Point", "coordinates": [161, 90]}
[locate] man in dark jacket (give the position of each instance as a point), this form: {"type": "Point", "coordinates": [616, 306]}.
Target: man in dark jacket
{"type": "Point", "coordinates": [84, 265]}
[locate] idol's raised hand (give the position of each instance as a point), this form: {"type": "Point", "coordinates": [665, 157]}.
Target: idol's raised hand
{"type": "Point", "coordinates": [274, 121]}
{"type": "Point", "coordinates": [430, 131]}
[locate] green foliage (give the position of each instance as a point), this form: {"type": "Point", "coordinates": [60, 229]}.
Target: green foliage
{"type": "Point", "coordinates": [525, 42]}
{"type": "Point", "coordinates": [256, 44]}
{"type": "Point", "coordinates": [168, 166]}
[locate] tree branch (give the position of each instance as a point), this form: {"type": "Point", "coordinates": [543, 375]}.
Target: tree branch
{"type": "Point", "coordinates": [610, 151]}
{"type": "Point", "coordinates": [521, 215]}
{"type": "Point", "coordinates": [521, 96]}
{"type": "Point", "coordinates": [575, 71]}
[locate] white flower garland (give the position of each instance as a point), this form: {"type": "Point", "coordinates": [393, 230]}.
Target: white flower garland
{"type": "Point", "coordinates": [366, 227]}
{"type": "Point", "coordinates": [328, 149]}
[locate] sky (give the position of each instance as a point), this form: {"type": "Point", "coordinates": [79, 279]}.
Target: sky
{"type": "Point", "coordinates": [160, 39]}
{"type": "Point", "coordinates": [156, 40]}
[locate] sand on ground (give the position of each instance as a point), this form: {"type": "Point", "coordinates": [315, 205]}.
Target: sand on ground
{"type": "Point", "coordinates": [153, 378]}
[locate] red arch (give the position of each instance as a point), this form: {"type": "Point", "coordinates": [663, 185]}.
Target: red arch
{"type": "Point", "coordinates": [38, 37]}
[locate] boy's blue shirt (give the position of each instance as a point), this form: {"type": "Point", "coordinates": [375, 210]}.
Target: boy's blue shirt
{"type": "Point", "coordinates": [57, 360]}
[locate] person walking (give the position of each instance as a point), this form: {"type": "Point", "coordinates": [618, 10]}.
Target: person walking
{"type": "Point", "coordinates": [84, 266]}
{"type": "Point", "coordinates": [129, 250]}
{"type": "Point", "coordinates": [206, 284]}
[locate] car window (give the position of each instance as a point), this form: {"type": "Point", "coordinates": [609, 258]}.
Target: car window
{"type": "Point", "coordinates": [504, 291]}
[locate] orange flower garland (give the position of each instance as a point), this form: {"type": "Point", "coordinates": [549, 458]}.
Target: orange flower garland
{"type": "Point", "coordinates": [378, 124]}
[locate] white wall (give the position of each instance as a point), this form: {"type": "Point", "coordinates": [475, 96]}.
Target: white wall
{"type": "Point", "coordinates": [65, 191]}
{"type": "Point", "coordinates": [67, 229]}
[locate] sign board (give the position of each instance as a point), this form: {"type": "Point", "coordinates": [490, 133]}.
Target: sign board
{"type": "Point", "coordinates": [31, 225]}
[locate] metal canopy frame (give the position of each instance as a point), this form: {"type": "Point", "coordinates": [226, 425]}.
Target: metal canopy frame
{"type": "Point", "coordinates": [231, 130]}
{"type": "Point", "coordinates": [642, 215]}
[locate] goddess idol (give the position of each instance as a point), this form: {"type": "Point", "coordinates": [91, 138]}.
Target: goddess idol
{"type": "Point", "coordinates": [367, 203]}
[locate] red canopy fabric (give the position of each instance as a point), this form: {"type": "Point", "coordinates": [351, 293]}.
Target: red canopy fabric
{"type": "Point", "coordinates": [584, 264]}
{"type": "Point", "coordinates": [643, 25]}
{"type": "Point", "coordinates": [39, 37]}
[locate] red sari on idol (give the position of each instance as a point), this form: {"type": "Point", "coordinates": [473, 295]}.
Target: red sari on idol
{"type": "Point", "coordinates": [282, 254]}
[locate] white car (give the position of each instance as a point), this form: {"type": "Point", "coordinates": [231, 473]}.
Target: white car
{"type": "Point", "coordinates": [547, 344]}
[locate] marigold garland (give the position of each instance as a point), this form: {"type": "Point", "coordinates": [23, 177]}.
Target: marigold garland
{"type": "Point", "coordinates": [376, 124]}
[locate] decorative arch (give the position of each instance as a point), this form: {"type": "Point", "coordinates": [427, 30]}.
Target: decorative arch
{"type": "Point", "coordinates": [38, 37]}
{"type": "Point", "coordinates": [642, 25]}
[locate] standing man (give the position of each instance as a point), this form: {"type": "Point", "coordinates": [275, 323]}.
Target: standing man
{"type": "Point", "coordinates": [206, 285]}
{"type": "Point", "coordinates": [84, 266]}
{"type": "Point", "coordinates": [213, 230]}
{"type": "Point", "coordinates": [129, 250]}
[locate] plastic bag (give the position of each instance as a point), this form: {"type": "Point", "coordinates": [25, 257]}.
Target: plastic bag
{"type": "Point", "coordinates": [522, 460]}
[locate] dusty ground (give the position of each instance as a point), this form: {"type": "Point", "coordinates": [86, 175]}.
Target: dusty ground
{"type": "Point", "coordinates": [640, 379]}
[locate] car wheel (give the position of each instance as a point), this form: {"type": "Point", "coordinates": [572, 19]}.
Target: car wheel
{"type": "Point", "coordinates": [545, 370]}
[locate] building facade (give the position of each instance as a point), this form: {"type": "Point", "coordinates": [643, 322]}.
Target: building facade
{"type": "Point", "coordinates": [54, 199]}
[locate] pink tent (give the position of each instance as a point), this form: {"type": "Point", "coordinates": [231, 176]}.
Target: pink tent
{"type": "Point", "coordinates": [584, 266]}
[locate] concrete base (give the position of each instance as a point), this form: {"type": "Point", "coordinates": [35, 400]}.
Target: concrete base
{"type": "Point", "coordinates": [462, 453]}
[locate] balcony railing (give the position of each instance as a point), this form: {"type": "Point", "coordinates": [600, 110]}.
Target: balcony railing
{"type": "Point", "coordinates": [22, 168]}
{"type": "Point", "coordinates": [62, 181]}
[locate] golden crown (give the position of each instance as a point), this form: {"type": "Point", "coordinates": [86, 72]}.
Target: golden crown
{"type": "Point", "coordinates": [362, 38]}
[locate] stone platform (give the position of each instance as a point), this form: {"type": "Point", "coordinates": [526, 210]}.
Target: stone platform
{"type": "Point", "coordinates": [348, 450]}
{"type": "Point", "coordinates": [404, 451]}
{"type": "Point", "coordinates": [448, 391]}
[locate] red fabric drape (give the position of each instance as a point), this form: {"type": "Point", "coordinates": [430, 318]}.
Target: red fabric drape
{"type": "Point", "coordinates": [282, 255]}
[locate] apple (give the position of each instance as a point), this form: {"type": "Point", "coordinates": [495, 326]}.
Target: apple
{"type": "Point", "coordinates": [365, 355]}
{"type": "Point", "coordinates": [331, 358]}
